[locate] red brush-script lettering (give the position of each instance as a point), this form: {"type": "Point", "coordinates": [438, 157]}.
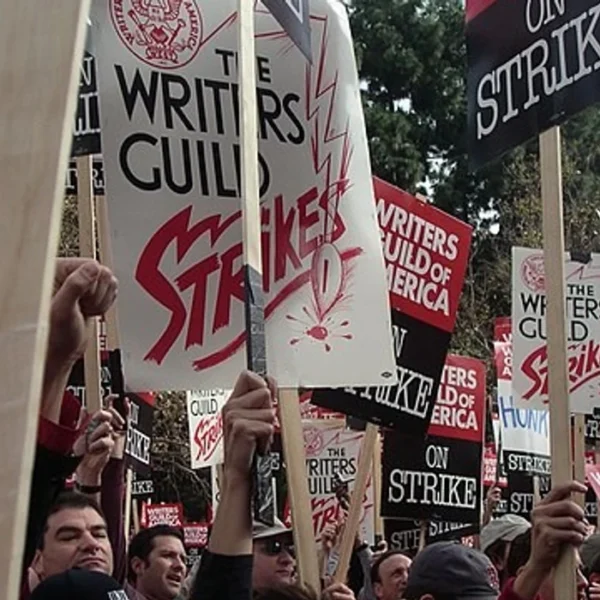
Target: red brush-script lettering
{"type": "Point", "coordinates": [289, 238]}
{"type": "Point", "coordinates": [207, 436]}
{"type": "Point", "coordinates": [583, 363]}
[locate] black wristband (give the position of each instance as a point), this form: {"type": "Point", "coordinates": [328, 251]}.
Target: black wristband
{"type": "Point", "coordinates": [87, 489]}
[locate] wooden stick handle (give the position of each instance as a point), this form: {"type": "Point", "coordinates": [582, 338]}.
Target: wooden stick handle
{"type": "Point", "coordinates": [128, 488]}
{"type": "Point", "coordinates": [106, 256]}
{"type": "Point", "coordinates": [87, 248]}
{"type": "Point", "coordinates": [356, 502]}
{"type": "Point", "coordinates": [558, 383]}
{"type": "Point", "coordinates": [136, 515]}
{"type": "Point", "coordinates": [579, 453]}
{"type": "Point", "coordinates": [297, 479]}
{"type": "Point", "coordinates": [537, 496]}
{"type": "Point", "coordinates": [379, 532]}
{"type": "Point", "coordinates": [423, 534]}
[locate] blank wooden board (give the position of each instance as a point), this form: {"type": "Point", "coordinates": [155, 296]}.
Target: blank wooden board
{"type": "Point", "coordinates": [41, 46]}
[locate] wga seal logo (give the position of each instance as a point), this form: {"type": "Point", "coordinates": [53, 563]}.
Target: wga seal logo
{"type": "Point", "coordinates": [162, 33]}
{"type": "Point", "coordinates": [532, 273]}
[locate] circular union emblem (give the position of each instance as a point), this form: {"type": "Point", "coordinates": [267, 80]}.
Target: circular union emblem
{"type": "Point", "coordinates": [532, 273]}
{"type": "Point", "coordinates": [161, 33]}
{"type": "Point", "coordinates": [313, 442]}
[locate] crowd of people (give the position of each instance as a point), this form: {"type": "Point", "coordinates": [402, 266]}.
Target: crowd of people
{"type": "Point", "coordinates": [76, 549]}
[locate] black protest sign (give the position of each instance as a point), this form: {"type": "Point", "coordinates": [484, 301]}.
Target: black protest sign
{"type": "Point", "coordinates": [294, 17]}
{"type": "Point", "coordinates": [139, 433]}
{"type": "Point", "coordinates": [531, 65]}
{"type": "Point", "coordinates": [192, 558]}
{"type": "Point", "coordinates": [141, 488]}
{"type": "Point", "coordinates": [76, 383]}
{"type": "Point", "coordinates": [86, 132]}
{"type": "Point", "coordinates": [440, 480]}
{"type": "Point", "coordinates": [405, 535]}
{"type": "Point", "coordinates": [407, 407]}
{"type": "Point", "coordinates": [592, 430]}
{"type": "Point", "coordinates": [426, 253]}
{"type": "Point", "coordinates": [71, 187]}
{"type": "Point", "coordinates": [518, 497]}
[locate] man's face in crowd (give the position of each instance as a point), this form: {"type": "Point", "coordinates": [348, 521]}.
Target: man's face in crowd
{"type": "Point", "coordinates": [162, 574]}
{"type": "Point", "coordinates": [74, 538]}
{"type": "Point", "coordinates": [393, 576]}
{"type": "Point", "coordinates": [273, 562]}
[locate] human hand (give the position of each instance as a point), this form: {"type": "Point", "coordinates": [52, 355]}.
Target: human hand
{"type": "Point", "coordinates": [555, 522]}
{"type": "Point", "coordinates": [82, 289]}
{"type": "Point", "coordinates": [248, 423]}
{"type": "Point", "coordinates": [119, 424]}
{"type": "Point", "coordinates": [382, 548]}
{"type": "Point", "coordinates": [329, 536]}
{"type": "Point", "coordinates": [594, 591]}
{"type": "Point", "coordinates": [95, 447]}
{"type": "Point", "coordinates": [338, 591]}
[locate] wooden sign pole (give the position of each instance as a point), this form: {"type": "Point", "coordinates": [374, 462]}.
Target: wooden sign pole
{"type": "Point", "coordinates": [136, 516]}
{"type": "Point", "coordinates": [87, 249]}
{"type": "Point", "coordinates": [579, 453]}
{"type": "Point", "coordinates": [106, 255]}
{"type": "Point", "coordinates": [36, 121]}
{"type": "Point", "coordinates": [423, 535]}
{"type": "Point", "coordinates": [127, 516]}
{"type": "Point", "coordinates": [297, 479]}
{"type": "Point", "coordinates": [113, 342]}
{"type": "Point", "coordinates": [356, 501]}
{"type": "Point", "coordinates": [256, 347]}
{"type": "Point", "coordinates": [554, 260]}
{"type": "Point", "coordinates": [537, 496]}
{"type": "Point", "coordinates": [379, 529]}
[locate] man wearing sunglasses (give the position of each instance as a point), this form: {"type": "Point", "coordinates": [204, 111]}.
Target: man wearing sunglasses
{"type": "Point", "coordinates": [273, 550]}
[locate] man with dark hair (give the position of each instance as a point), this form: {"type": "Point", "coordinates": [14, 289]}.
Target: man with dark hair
{"type": "Point", "coordinates": [75, 537]}
{"type": "Point", "coordinates": [156, 564]}
{"type": "Point", "coordinates": [389, 575]}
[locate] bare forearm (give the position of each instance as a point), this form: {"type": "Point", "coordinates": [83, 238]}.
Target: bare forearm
{"type": "Point", "coordinates": [232, 531]}
{"type": "Point", "coordinates": [528, 582]}
{"type": "Point", "coordinates": [56, 378]}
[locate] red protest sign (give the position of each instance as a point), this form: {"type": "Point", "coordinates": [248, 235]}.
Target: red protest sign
{"type": "Point", "coordinates": [459, 411]}
{"type": "Point", "coordinates": [162, 514]}
{"type": "Point", "coordinates": [195, 535]}
{"type": "Point", "coordinates": [490, 465]}
{"type": "Point", "coordinates": [426, 253]}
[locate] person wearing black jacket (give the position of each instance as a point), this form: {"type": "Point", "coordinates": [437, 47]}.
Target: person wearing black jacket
{"type": "Point", "coordinates": [225, 571]}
